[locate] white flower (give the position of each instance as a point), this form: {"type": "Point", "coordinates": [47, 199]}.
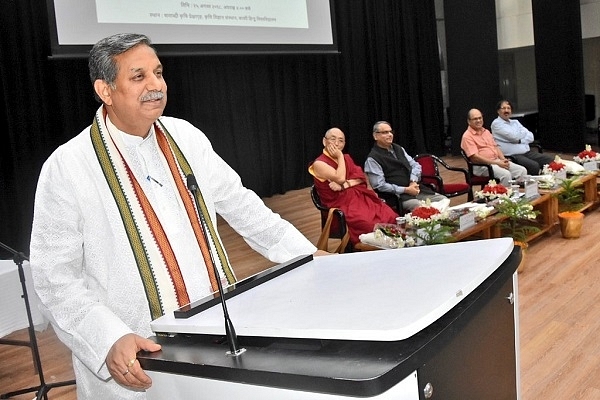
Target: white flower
{"type": "Point", "coordinates": [410, 241]}
{"type": "Point", "coordinates": [392, 242]}
{"type": "Point", "coordinates": [546, 181]}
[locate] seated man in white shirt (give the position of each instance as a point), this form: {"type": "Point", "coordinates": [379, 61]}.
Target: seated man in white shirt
{"type": "Point", "coordinates": [514, 139]}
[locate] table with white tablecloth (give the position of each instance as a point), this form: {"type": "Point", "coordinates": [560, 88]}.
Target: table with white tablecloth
{"type": "Point", "coordinates": [13, 315]}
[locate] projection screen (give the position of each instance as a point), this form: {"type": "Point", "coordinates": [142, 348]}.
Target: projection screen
{"type": "Point", "coordinates": [196, 27]}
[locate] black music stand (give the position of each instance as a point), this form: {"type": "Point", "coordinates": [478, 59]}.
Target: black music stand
{"type": "Point", "coordinates": [43, 388]}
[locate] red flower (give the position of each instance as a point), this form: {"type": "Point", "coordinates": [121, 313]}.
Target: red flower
{"type": "Point", "coordinates": [495, 189]}
{"type": "Point", "coordinates": [424, 212]}
{"type": "Point", "coordinates": [556, 166]}
{"type": "Point", "coordinates": [591, 154]}
{"type": "Point", "coordinates": [390, 230]}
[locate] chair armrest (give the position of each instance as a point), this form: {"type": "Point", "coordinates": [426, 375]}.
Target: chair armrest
{"type": "Point", "coordinates": [537, 145]}
{"type": "Point", "coordinates": [437, 179]}
{"type": "Point", "coordinates": [488, 166]}
{"type": "Point", "coordinates": [339, 214]}
{"type": "Point", "coordinates": [450, 168]}
{"type": "Point", "coordinates": [391, 199]}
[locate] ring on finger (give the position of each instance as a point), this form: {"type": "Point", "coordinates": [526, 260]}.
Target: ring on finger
{"type": "Point", "coordinates": [131, 362]}
{"type": "Point", "coordinates": [126, 372]}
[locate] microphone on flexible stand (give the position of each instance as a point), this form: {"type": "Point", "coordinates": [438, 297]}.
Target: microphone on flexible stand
{"type": "Point", "coordinates": [232, 339]}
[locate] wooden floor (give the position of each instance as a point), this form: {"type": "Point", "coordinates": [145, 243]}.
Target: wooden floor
{"type": "Point", "coordinates": [559, 313]}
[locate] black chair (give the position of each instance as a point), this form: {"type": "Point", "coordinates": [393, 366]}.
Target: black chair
{"type": "Point", "coordinates": [477, 180]}
{"type": "Point", "coordinates": [338, 228]}
{"type": "Point", "coordinates": [391, 200]}
{"type": "Point", "coordinates": [430, 176]}
{"type": "Point", "coordinates": [535, 144]}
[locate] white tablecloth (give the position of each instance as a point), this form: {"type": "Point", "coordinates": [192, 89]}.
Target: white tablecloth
{"type": "Point", "coordinates": [13, 315]}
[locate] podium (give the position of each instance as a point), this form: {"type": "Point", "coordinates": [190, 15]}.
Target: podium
{"type": "Point", "coordinates": [436, 322]}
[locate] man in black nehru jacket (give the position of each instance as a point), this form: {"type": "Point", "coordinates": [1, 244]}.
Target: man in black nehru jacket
{"type": "Point", "coordinates": [391, 170]}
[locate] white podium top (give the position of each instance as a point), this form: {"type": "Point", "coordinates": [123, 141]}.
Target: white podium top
{"type": "Point", "coordinates": [383, 295]}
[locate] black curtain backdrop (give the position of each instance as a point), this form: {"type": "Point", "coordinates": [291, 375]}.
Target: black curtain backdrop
{"type": "Point", "coordinates": [473, 75]}
{"type": "Point", "coordinates": [265, 115]}
{"type": "Point", "coordinates": [560, 77]}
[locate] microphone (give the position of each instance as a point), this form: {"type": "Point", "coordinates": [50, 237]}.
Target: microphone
{"type": "Point", "coordinates": [232, 339]}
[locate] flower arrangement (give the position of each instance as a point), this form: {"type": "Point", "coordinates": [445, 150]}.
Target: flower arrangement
{"type": "Point", "coordinates": [546, 182]}
{"type": "Point", "coordinates": [587, 155]}
{"type": "Point", "coordinates": [392, 236]}
{"type": "Point", "coordinates": [425, 214]}
{"type": "Point", "coordinates": [493, 190]}
{"type": "Point", "coordinates": [429, 225]}
{"type": "Point", "coordinates": [554, 167]}
{"type": "Point", "coordinates": [520, 214]}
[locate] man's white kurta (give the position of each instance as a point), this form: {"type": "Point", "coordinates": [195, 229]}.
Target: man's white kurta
{"type": "Point", "coordinates": [83, 267]}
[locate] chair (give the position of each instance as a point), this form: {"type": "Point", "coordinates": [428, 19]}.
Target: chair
{"type": "Point", "coordinates": [334, 220]}
{"type": "Point", "coordinates": [475, 180]}
{"type": "Point", "coordinates": [391, 200]}
{"type": "Point", "coordinates": [430, 175]}
{"type": "Point", "coordinates": [535, 145]}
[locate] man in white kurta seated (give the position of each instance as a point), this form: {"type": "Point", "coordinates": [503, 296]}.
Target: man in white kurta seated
{"type": "Point", "coordinates": [117, 237]}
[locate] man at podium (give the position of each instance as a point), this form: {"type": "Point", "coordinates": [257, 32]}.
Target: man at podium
{"type": "Point", "coordinates": [119, 238]}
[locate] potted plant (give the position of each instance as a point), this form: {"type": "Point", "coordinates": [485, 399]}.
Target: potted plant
{"type": "Point", "coordinates": [570, 201]}
{"type": "Point", "coordinates": [520, 218]}
{"type": "Point", "coordinates": [569, 195]}
{"type": "Point", "coordinates": [519, 223]}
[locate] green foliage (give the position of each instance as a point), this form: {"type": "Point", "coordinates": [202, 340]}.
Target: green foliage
{"type": "Point", "coordinates": [520, 215]}
{"type": "Point", "coordinates": [434, 232]}
{"type": "Point", "coordinates": [570, 197]}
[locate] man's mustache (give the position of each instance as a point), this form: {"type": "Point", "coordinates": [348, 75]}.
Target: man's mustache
{"type": "Point", "coordinates": [154, 95]}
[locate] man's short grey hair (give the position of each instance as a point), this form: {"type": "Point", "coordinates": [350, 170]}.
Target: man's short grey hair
{"type": "Point", "coordinates": [102, 64]}
{"type": "Point", "coordinates": [378, 124]}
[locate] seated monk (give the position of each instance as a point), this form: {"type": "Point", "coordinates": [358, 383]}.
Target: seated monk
{"type": "Point", "coordinates": [342, 184]}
